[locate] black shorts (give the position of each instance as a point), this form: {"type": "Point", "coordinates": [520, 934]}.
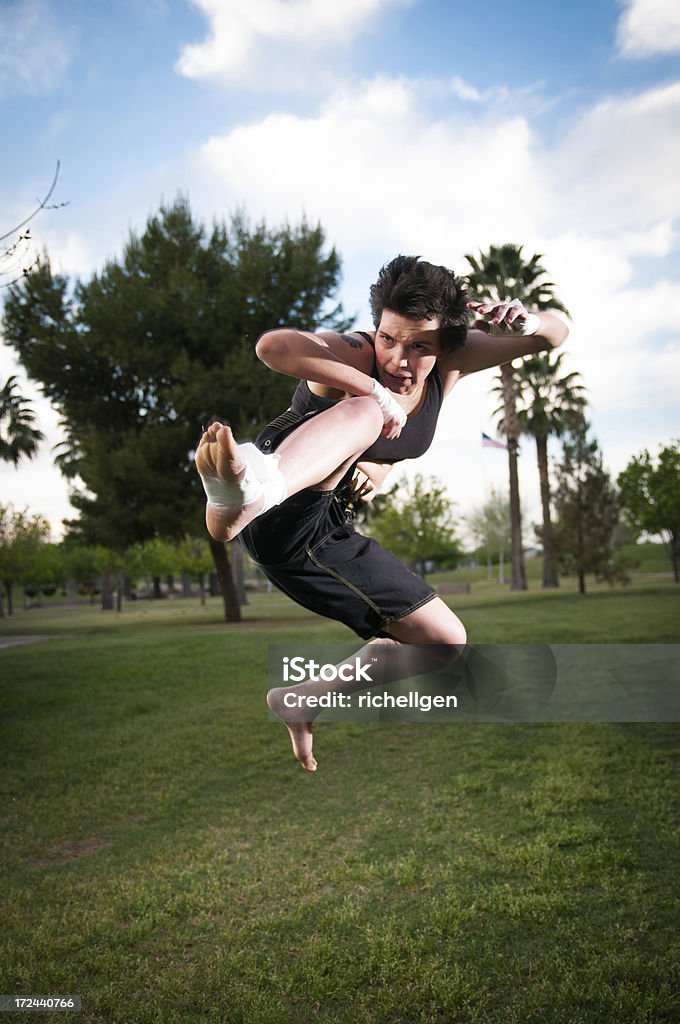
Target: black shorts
{"type": "Point", "coordinates": [309, 549]}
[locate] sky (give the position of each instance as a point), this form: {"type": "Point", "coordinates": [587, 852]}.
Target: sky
{"type": "Point", "coordinates": [429, 127]}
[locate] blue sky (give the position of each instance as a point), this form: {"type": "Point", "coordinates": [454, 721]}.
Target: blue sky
{"type": "Point", "coordinates": [402, 125]}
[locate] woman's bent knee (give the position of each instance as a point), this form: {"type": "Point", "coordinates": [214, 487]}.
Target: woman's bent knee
{"type": "Point", "coordinates": [432, 623]}
{"type": "Point", "coordinates": [363, 409]}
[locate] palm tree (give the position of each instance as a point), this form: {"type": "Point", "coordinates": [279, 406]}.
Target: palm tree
{"type": "Point", "coordinates": [501, 274]}
{"type": "Point", "coordinates": [550, 405]}
{"type": "Point", "coordinates": [18, 436]}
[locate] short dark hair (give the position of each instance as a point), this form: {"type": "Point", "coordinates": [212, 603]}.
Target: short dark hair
{"type": "Point", "coordinates": [410, 287]}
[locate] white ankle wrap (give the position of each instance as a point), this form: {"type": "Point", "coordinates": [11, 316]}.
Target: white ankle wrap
{"type": "Point", "coordinates": [262, 477]}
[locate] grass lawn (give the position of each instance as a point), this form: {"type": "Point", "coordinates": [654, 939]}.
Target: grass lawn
{"type": "Point", "coordinates": [166, 859]}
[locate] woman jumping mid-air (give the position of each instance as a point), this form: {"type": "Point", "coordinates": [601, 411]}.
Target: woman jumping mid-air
{"type": "Point", "coordinates": [364, 402]}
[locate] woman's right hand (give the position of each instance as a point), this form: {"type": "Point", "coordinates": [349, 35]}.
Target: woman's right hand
{"type": "Point", "coordinates": [394, 416]}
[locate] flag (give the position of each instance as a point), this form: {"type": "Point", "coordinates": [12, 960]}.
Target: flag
{"type": "Point", "coordinates": [488, 442]}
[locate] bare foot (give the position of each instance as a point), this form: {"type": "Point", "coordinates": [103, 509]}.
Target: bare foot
{"type": "Point", "coordinates": [300, 732]}
{"type": "Point", "coordinates": [218, 456]}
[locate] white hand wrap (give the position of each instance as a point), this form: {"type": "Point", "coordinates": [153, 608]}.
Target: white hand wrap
{"type": "Point", "coordinates": [524, 326]}
{"type": "Point", "coordinates": [262, 476]}
{"type": "Point", "coordinates": [391, 410]}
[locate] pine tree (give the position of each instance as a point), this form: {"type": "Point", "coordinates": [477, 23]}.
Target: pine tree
{"type": "Point", "coordinates": [154, 347]}
{"type": "Point", "coordinates": [588, 512]}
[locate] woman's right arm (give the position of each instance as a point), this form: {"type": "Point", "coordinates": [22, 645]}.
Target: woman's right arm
{"type": "Point", "coordinates": [341, 363]}
{"type": "Point", "coordinates": [335, 365]}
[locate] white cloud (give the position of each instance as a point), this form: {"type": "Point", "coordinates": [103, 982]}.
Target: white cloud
{"type": "Point", "coordinates": [624, 340]}
{"type": "Point", "coordinates": [69, 253]}
{"type": "Point", "coordinates": [35, 50]}
{"type": "Point", "coordinates": [377, 169]}
{"type": "Point", "coordinates": [616, 197]}
{"type": "Point", "coordinates": [617, 165]}
{"type": "Point", "coordinates": [464, 91]}
{"type": "Point", "coordinates": [263, 39]}
{"type": "Point", "coordinates": [649, 27]}
{"type": "Point", "coordinates": [379, 172]}
{"type": "Point", "coordinates": [469, 93]}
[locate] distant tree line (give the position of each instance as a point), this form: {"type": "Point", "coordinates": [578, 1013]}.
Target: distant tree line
{"type": "Point", "coordinates": [39, 567]}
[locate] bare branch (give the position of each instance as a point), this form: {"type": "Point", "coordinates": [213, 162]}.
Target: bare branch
{"type": "Point", "coordinates": [42, 205]}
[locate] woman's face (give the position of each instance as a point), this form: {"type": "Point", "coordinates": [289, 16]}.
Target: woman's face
{"type": "Point", "coordinates": [405, 351]}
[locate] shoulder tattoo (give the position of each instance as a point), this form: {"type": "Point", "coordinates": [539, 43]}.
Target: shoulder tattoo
{"type": "Point", "coordinates": [353, 342]}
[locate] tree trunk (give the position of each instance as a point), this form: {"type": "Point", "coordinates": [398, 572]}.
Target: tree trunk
{"type": "Point", "coordinates": [8, 591]}
{"type": "Point", "coordinates": [518, 577]}
{"type": "Point", "coordinates": [157, 592]}
{"type": "Point", "coordinates": [232, 609]}
{"type": "Point", "coordinates": [186, 583]}
{"type": "Point", "coordinates": [549, 560]}
{"type": "Point", "coordinates": [238, 573]}
{"type": "Point", "coordinates": [674, 555]}
{"type": "Point", "coordinates": [107, 592]}
{"type": "Point", "coordinates": [579, 538]}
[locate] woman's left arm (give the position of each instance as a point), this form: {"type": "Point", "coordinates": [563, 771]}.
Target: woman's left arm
{"type": "Point", "coordinates": [503, 332]}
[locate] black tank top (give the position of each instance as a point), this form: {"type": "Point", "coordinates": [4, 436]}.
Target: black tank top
{"type": "Point", "coordinates": [417, 434]}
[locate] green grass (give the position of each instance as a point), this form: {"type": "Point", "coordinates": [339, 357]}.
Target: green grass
{"type": "Point", "coordinates": [165, 858]}
{"type": "Point", "coordinates": [646, 610]}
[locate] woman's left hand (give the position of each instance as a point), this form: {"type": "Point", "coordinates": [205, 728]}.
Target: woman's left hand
{"type": "Point", "coordinates": [503, 318]}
